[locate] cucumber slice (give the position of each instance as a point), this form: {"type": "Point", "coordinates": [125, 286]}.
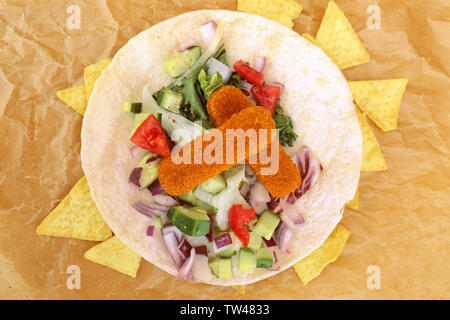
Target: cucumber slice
{"type": "Point", "coordinates": [221, 267]}
{"type": "Point", "coordinates": [214, 185]}
{"type": "Point", "coordinates": [267, 223]}
{"type": "Point", "coordinates": [227, 253]}
{"type": "Point", "coordinates": [171, 100]}
{"type": "Point", "coordinates": [246, 260]}
{"type": "Point", "coordinates": [196, 202]}
{"type": "Point", "coordinates": [264, 258]}
{"type": "Point", "coordinates": [134, 107]}
{"type": "Point", "coordinates": [151, 169]}
{"type": "Point", "coordinates": [190, 221]}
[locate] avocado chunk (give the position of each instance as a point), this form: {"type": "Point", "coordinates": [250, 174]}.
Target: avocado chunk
{"type": "Point", "coordinates": [255, 241]}
{"type": "Point", "coordinates": [221, 267]}
{"type": "Point", "coordinates": [190, 220]}
{"type": "Point", "coordinates": [134, 107]}
{"type": "Point", "coordinates": [246, 260]}
{"type": "Point", "coordinates": [264, 258]}
{"type": "Point", "coordinates": [214, 185]}
{"type": "Point", "coordinates": [157, 222]}
{"type": "Point", "coordinates": [179, 63]}
{"type": "Point", "coordinates": [171, 100]}
{"type": "Point", "coordinates": [189, 197]}
{"type": "Point", "coordinates": [150, 165]}
{"type": "Point", "coordinates": [267, 223]}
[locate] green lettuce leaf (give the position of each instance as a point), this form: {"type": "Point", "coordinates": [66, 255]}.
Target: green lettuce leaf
{"type": "Point", "coordinates": [209, 84]}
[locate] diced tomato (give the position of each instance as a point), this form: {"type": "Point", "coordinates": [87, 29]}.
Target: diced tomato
{"type": "Point", "coordinates": [267, 96]}
{"type": "Point", "coordinates": [248, 73]}
{"type": "Point", "coordinates": [152, 137]}
{"type": "Point", "coordinates": [239, 217]}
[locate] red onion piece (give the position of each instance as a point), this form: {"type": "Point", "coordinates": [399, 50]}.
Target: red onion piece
{"type": "Point", "coordinates": [275, 267]}
{"type": "Point", "coordinates": [217, 66]}
{"type": "Point", "coordinates": [260, 64]}
{"type": "Point", "coordinates": [170, 228]}
{"type": "Point", "coordinates": [150, 231]}
{"type": "Point", "coordinates": [275, 258]}
{"type": "Point", "coordinates": [135, 177]}
{"type": "Point", "coordinates": [148, 210]}
{"type": "Point", "coordinates": [212, 218]}
{"type": "Point", "coordinates": [259, 193]}
{"type": "Point", "coordinates": [201, 250]}
{"type": "Point", "coordinates": [208, 30]}
{"type": "Point", "coordinates": [246, 85]}
{"type": "Point", "coordinates": [152, 159]}
{"type": "Point", "coordinates": [250, 175]}
{"type": "Point", "coordinates": [270, 243]}
{"type": "Point", "coordinates": [292, 213]}
{"type": "Point", "coordinates": [284, 234]}
{"type": "Point", "coordinates": [259, 207]}
{"type": "Point", "coordinates": [190, 276]}
{"type": "Point", "coordinates": [184, 248]}
{"type": "Point", "coordinates": [222, 241]}
{"type": "Point", "coordinates": [200, 269]}
{"type": "Point", "coordinates": [171, 243]}
{"type": "Point", "coordinates": [156, 188]}
{"type": "Point", "coordinates": [187, 266]}
{"type": "Point", "coordinates": [275, 205]}
{"type": "Point", "coordinates": [244, 190]}
{"type": "Point", "coordinates": [187, 45]}
{"type": "Point", "coordinates": [137, 152]}
{"type": "Point", "coordinates": [165, 200]}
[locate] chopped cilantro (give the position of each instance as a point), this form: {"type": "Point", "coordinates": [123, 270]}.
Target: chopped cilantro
{"type": "Point", "coordinates": [283, 123]}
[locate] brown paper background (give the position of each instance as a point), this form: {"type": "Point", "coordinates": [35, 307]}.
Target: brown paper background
{"type": "Point", "coordinates": [402, 225]}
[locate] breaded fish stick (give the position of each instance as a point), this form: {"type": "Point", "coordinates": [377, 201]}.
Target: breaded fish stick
{"type": "Point", "coordinates": [180, 177]}
{"type": "Point", "coordinates": [221, 106]}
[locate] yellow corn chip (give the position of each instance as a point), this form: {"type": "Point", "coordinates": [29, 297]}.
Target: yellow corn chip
{"type": "Point", "coordinates": [74, 97]}
{"type": "Point", "coordinates": [115, 255]}
{"type": "Point", "coordinates": [241, 289]}
{"type": "Point", "coordinates": [354, 203]}
{"type": "Point", "coordinates": [372, 157]}
{"type": "Point", "coordinates": [338, 39]}
{"type": "Point", "coordinates": [282, 11]}
{"type": "Point", "coordinates": [311, 266]}
{"type": "Point", "coordinates": [380, 100]}
{"type": "Point", "coordinates": [91, 74]}
{"type": "Point", "coordinates": [311, 39]}
{"type": "Point", "coordinates": [76, 217]}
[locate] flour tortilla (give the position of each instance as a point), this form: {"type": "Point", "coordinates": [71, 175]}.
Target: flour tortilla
{"type": "Point", "coordinates": [316, 96]}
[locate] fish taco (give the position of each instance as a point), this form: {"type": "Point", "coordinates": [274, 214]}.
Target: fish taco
{"type": "Point", "coordinates": [166, 113]}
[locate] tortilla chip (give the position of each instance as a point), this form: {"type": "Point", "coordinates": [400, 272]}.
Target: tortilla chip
{"type": "Point", "coordinates": [338, 39]}
{"type": "Point", "coordinates": [380, 100]}
{"type": "Point", "coordinates": [241, 289]}
{"type": "Point", "coordinates": [74, 97]}
{"type": "Point", "coordinates": [311, 266]}
{"type": "Point", "coordinates": [114, 254]}
{"type": "Point", "coordinates": [282, 11]}
{"type": "Point", "coordinates": [76, 217]}
{"type": "Point", "coordinates": [372, 157]}
{"type": "Point", "coordinates": [91, 74]}
{"type": "Point", "coordinates": [354, 203]}
{"type": "Point", "coordinates": [311, 39]}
